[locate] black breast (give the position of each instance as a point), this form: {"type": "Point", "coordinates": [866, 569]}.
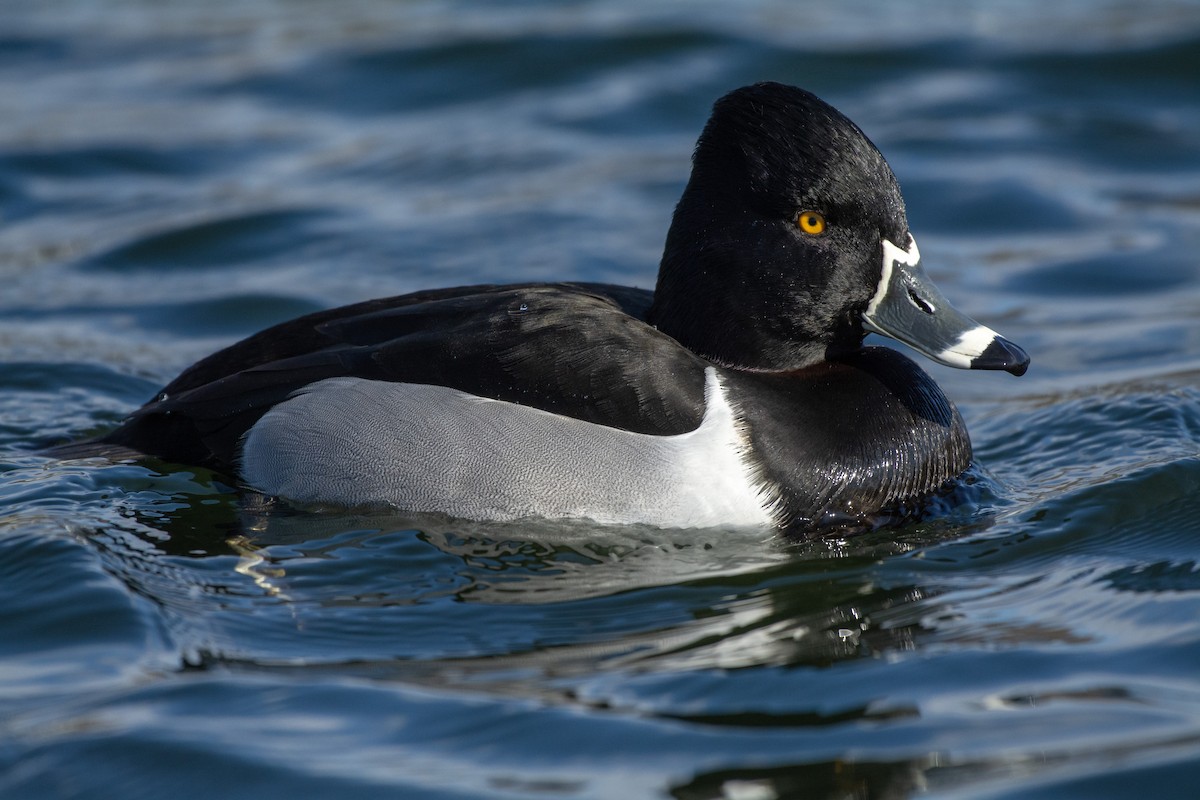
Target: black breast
{"type": "Point", "coordinates": [851, 441]}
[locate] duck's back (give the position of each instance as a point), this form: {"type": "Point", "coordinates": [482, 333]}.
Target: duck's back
{"type": "Point", "coordinates": [578, 351]}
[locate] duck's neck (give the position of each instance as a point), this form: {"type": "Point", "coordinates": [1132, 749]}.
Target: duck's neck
{"type": "Point", "coordinates": [701, 303]}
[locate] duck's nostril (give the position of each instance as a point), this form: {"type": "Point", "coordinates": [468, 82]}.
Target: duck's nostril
{"type": "Point", "coordinates": [920, 302]}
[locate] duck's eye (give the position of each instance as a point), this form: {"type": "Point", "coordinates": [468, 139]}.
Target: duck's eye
{"type": "Point", "coordinates": [811, 222]}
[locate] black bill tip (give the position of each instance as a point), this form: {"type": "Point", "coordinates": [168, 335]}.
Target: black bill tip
{"type": "Point", "coordinates": [1002, 354]}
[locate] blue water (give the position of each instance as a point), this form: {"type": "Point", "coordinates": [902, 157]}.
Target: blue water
{"type": "Point", "coordinates": [175, 176]}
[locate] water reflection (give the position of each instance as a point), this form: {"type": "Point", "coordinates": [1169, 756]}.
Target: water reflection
{"type": "Point", "coordinates": [506, 606]}
{"type": "Point", "coordinates": [828, 779]}
{"type": "Point", "coordinates": [543, 562]}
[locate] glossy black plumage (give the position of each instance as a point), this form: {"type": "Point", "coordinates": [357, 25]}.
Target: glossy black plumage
{"type": "Point", "coordinates": [831, 432]}
{"type": "Point", "coordinates": [850, 441]}
{"type": "Point", "coordinates": [729, 287]}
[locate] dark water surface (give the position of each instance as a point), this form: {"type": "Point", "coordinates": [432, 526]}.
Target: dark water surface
{"type": "Point", "coordinates": [175, 176]}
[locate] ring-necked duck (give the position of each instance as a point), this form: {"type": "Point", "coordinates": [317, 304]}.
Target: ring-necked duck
{"type": "Point", "coordinates": [737, 393]}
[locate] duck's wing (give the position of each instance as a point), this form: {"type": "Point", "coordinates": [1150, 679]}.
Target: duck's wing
{"type": "Point", "coordinates": [577, 350]}
{"type": "Point", "coordinates": [319, 330]}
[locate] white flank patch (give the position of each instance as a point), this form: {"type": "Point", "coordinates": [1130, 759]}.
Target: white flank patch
{"type": "Point", "coordinates": [353, 442]}
{"type": "Point", "coordinates": [892, 255]}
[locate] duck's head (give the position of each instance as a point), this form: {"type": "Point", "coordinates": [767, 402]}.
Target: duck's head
{"type": "Point", "coordinates": [791, 242]}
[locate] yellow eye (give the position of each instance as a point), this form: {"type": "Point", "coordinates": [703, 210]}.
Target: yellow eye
{"type": "Point", "coordinates": [811, 222]}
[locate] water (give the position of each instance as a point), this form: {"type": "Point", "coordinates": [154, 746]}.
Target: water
{"type": "Point", "coordinates": [175, 176]}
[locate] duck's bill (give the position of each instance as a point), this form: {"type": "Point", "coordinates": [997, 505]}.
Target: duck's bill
{"type": "Point", "coordinates": [909, 308]}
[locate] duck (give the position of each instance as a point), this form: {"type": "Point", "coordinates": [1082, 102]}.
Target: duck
{"type": "Point", "coordinates": [739, 392]}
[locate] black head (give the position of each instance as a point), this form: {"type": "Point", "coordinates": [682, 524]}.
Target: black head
{"type": "Point", "coordinates": [777, 247]}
